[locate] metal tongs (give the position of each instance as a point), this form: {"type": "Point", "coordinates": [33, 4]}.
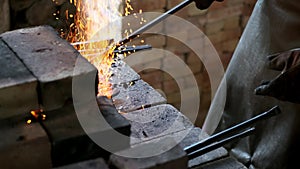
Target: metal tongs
{"type": "Point", "coordinates": [233, 133]}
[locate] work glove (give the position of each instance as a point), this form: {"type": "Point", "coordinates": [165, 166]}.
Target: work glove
{"type": "Point", "coordinates": [286, 86]}
{"type": "Point", "coordinates": [204, 4]}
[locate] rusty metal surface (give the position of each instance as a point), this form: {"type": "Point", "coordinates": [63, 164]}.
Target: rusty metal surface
{"type": "Point", "coordinates": [23, 145]}
{"type": "Point", "coordinates": [122, 73]}
{"type": "Point", "coordinates": [71, 143]}
{"type": "Point", "coordinates": [13, 71]}
{"type": "Point", "coordinates": [168, 158]}
{"type": "Point", "coordinates": [47, 55]}
{"type": "Point", "coordinates": [18, 93]}
{"type": "Point", "coordinates": [156, 121]}
{"type": "Point", "coordinates": [50, 59]}
{"type": "Point", "coordinates": [136, 95]}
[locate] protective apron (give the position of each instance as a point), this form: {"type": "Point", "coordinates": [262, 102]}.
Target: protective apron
{"type": "Point", "coordinates": [274, 27]}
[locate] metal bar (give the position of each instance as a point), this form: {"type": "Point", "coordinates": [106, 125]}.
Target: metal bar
{"type": "Point", "coordinates": [220, 143]}
{"type": "Point", "coordinates": [154, 22]}
{"type": "Point", "coordinates": [241, 126]}
{"type": "Point", "coordinates": [92, 50]}
{"type": "Point", "coordinates": [132, 49]}
{"type": "Point", "coordinates": [92, 41]}
{"type": "Point", "coordinates": [122, 50]}
{"type": "Point", "coordinates": [85, 42]}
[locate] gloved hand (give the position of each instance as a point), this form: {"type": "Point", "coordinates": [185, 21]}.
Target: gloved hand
{"type": "Point", "coordinates": [286, 86]}
{"type": "Point", "coordinates": [204, 4]}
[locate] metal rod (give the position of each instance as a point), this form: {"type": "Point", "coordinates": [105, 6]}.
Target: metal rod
{"type": "Point", "coordinates": [92, 50]}
{"type": "Point", "coordinates": [154, 22]}
{"type": "Point", "coordinates": [92, 41]}
{"type": "Point", "coordinates": [85, 42]}
{"type": "Point", "coordinates": [220, 143]}
{"type": "Point", "coordinates": [132, 49]}
{"type": "Point", "coordinates": [241, 126]}
{"type": "Point", "coordinates": [122, 50]}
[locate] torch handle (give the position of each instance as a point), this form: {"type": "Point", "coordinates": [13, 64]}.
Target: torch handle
{"type": "Point", "coordinates": [154, 22]}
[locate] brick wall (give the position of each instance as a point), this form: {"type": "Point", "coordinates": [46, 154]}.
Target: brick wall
{"type": "Point", "coordinates": [222, 23]}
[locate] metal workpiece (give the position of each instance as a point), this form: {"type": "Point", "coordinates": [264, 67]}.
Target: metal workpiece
{"type": "Point", "coordinates": [220, 143]}
{"type": "Point", "coordinates": [227, 135]}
